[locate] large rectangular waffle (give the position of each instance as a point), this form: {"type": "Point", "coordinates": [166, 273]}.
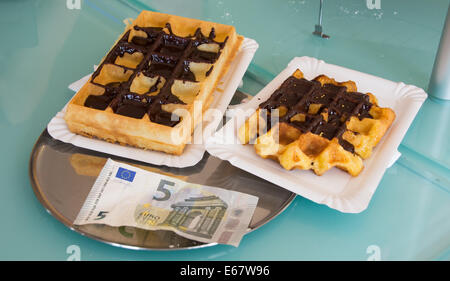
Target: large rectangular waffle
{"type": "Point", "coordinates": [151, 88]}
{"type": "Point", "coordinates": [317, 125]}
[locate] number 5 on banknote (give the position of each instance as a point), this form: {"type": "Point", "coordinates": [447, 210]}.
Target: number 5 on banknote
{"type": "Point", "coordinates": [162, 188]}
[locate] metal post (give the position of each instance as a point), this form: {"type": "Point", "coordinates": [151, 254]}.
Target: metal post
{"type": "Point", "coordinates": [318, 27]}
{"type": "Point", "coordinates": [439, 86]}
{"type": "Point", "coordinates": [320, 13]}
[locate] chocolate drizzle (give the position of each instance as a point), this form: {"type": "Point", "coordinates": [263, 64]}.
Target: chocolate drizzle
{"type": "Point", "coordinates": [299, 95]}
{"type": "Point", "coordinates": [165, 55]}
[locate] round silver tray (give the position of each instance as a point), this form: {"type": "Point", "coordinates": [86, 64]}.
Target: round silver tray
{"type": "Point", "coordinates": [62, 175]}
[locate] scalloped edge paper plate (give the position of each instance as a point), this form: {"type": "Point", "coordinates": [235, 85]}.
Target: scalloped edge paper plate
{"type": "Point", "coordinates": [335, 188]}
{"type": "Point", "coordinates": [193, 153]}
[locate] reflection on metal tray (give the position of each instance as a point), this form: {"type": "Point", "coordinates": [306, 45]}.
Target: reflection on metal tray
{"type": "Point", "coordinates": [62, 176]}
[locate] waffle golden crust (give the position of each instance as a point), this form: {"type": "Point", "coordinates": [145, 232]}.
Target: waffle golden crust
{"type": "Point", "coordinates": [317, 125]}
{"type": "Point", "coordinates": [152, 87]}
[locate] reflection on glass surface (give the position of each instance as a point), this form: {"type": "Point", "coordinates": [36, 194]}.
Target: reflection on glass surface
{"type": "Point", "coordinates": [430, 132]}
{"type": "Point", "coordinates": [31, 52]}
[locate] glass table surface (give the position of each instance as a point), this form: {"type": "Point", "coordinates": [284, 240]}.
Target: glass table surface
{"type": "Point", "coordinates": [47, 44]}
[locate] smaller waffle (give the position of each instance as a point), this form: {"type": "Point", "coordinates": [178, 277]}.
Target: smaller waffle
{"type": "Point", "coordinates": [317, 125]}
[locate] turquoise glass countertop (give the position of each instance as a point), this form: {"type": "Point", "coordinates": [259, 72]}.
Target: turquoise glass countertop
{"type": "Point", "coordinates": [46, 46]}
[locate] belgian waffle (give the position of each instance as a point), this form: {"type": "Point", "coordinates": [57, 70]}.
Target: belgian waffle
{"type": "Point", "coordinates": [317, 125]}
{"type": "Point", "coordinates": [144, 91]}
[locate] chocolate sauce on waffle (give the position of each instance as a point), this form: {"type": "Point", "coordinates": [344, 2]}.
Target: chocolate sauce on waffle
{"type": "Point", "coordinates": [297, 96]}
{"type": "Point", "coordinates": [165, 55]}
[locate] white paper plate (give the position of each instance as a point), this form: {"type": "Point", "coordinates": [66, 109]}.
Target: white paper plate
{"type": "Point", "coordinates": [335, 188]}
{"type": "Point", "coordinates": [193, 153]}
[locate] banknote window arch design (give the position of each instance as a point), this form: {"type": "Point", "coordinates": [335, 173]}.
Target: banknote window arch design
{"type": "Point", "coordinates": [200, 216]}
